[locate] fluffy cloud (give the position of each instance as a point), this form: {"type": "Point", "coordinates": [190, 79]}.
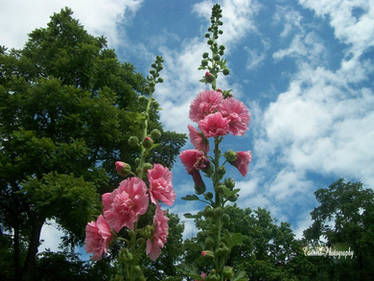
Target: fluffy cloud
{"type": "Point", "coordinates": [181, 76]}
{"type": "Point", "coordinates": [18, 17]}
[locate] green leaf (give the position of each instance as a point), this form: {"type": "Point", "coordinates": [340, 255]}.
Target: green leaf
{"type": "Point", "coordinates": [240, 276]}
{"type": "Point", "coordinates": [190, 197]}
{"type": "Point", "coordinates": [190, 216]}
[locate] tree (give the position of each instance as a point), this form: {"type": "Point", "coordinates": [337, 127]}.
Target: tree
{"type": "Point", "coordinates": [68, 107]}
{"type": "Point", "coordinates": [268, 251]}
{"type": "Point", "coordinates": [345, 218]}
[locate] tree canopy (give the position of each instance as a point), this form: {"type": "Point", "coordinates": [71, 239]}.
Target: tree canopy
{"type": "Point", "coordinates": [67, 109]}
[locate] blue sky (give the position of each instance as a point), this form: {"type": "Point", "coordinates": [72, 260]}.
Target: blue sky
{"type": "Point", "coordinates": [304, 68]}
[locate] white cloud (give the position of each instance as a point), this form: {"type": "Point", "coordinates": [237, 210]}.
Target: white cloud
{"type": "Point", "coordinates": [303, 46]}
{"type": "Point", "coordinates": [180, 73]}
{"type": "Point", "coordinates": [99, 17]}
{"type": "Point", "coordinates": [349, 29]}
{"type": "Point", "coordinates": [255, 58]}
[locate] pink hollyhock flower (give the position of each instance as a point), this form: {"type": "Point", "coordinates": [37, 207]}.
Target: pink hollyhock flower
{"type": "Point", "coordinates": [237, 114]}
{"type": "Point", "coordinates": [123, 206]}
{"type": "Point", "coordinates": [98, 237]}
{"type": "Point", "coordinates": [160, 234]}
{"type": "Point", "coordinates": [203, 253]}
{"type": "Point", "coordinates": [243, 158]}
{"type": "Point", "coordinates": [203, 275]}
{"type": "Point", "coordinates": [214, 125]}
{"type": "Point", "coordinates": [198, 140]}
{"type": "Point", "coordinates": [205, 103]}
{"type": "Point", "coordinates": [160, 184]}
{"type": "Point", "coordinates": [194, 159]}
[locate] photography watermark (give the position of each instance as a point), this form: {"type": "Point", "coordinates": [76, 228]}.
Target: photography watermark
{"type": "Point", "coordinates": [327, 252]}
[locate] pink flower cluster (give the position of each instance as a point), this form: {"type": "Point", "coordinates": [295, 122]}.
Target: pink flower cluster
{"type": "Point", "coordinates": [216, 116]}
{"type": "Point", "coordinates": [124, 205]}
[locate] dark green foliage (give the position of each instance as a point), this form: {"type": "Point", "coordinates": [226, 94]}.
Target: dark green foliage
{"type": "Point", "coordinates": [67, 109]}
{"type": "Point", "coordinates": [345, 218]}
{"type": "Point", "coordinates": [267, 251]}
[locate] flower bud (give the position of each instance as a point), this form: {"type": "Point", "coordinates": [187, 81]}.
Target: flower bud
{"type": "Point", "coordinates": [123, 169]}
{"type": "Point", "coordinates": [199, 184]}
{"type": "Point", "coordinates": [209, 77]}
{"type": "Point", "coordinates": [230, 156]}
{"type": "Point", "coordinates": [210, 42]}
{"type": "Point", "coordinates": [155, 134]}
{"type": "Point", "coordinates": [160, 80]}
{"type": "Point", "coordinates": [147, 142]}
{"type": "Point", "coordinates": [208, 196]}
{"type": "Point", "coordinates": [233, 197]}
{"type": "Point", "coordinates": [205, 55]}
{"type": "Point", "coordinates": [221, 171]}
{"type": "Point", "coordinates": [207, 35]}
{"type": "Point", "coordinates": [230, 183]}
{"type": "Point", "coordinates": [220, 32]}
{"type": "Point", "coordinates": [228, 272]}
{"type": "Point", "coordinates": [218, 212]}
{"type": "Point", "coordinates": [133, 141]}
{"type": "Point", "coordinates": [226, 218]}
{"type": "Point", "coordinates": [216, 57]}
{"type": "Point", "coordinates": [226, 71]}
{"type": "Point", "coordinates": [208, 211]}
{"type": "Point", "coordinates": [207, 253]}
{"type": "Point", "coordinates": [221, 188]}
{"type": "Point", "coordinates": [204, 62]}
{"type": "Point", "coordinates": [209, 242]}
{"type": "Point", "coordinates": [147, 166]}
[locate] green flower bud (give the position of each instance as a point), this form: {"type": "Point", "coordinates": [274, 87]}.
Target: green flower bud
{"type": "Point", "coordinates": [133, 141]}
{"type": "Point", "coordinates": [226, 218]}
{"type": "Point", "coordinates": [204, 62]}
{"type": "Point", "coordinates": [143, 99]}
{"type": "Point", "coordinates": [209, 242]}
{"type": "Point", "coordinates": [152, 71]}
{"type": "Point", "coordinates": [221, 171]}
{"type": "Point", "coordinates": [205, 55]}
{"type": "Point", "coordinates": [210, 42]}
{"type": "Point", "coordinates": [207, 35]}
{"type": "Point", "coordinates": [208, 211]}
{"type": "Point", "coordinates": [221, 52]}
{"type": "Point", "coordinates": [228, 272]}
{"type": "Point", "coordinates": [233, 197]}
{"type": "Point", "coordinates": [137, 161]}
{"type": "Point", "coordinates": [147, 166]}
{"type": "Point", "coordinates": [218, 212]}
{"type": "Point", "coordinates": [208, 196]}
{"type": "Point", "coordinates": [226, 71]}
{"type": "Point", "coordinates": [123, 169]}
{"type": "Point", "coordinates": [230, 183]}
{"type": "Point", "coordinates": [147, 142]}
{"type": "Point", "coordinates": [160, 80]}
{"type": "Point", "coordinates": [222, 47]}
{"type": "Point", "coordinates": [221, 188]}
{"type": "Point", "coordinates": [155, 134]}
{"type": "Point", "coordinates": [137, 270]}
{"type": "Point", "coordinates": [230, 156]}
{"type": "Point", "coordinates": [220, 31]}
{"type": "Point", "coordinates": [216, 57]}
{"type": "Point", "coordinates": [222, 251]}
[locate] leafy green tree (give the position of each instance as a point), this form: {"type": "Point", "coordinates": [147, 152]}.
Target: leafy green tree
{"type": "Point", "coordinates": [67, 109]}
{"type": "Point", "coordinates": [267, 251]}
{"type": "Point", "coordinates": [345, 218]}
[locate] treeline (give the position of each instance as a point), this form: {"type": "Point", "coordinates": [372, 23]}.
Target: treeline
{"type": "Point", "coordinates": [67, 109]}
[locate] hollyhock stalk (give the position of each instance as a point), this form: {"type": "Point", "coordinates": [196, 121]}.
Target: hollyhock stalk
{"type": "Point", "coordinates": [217, 114]}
